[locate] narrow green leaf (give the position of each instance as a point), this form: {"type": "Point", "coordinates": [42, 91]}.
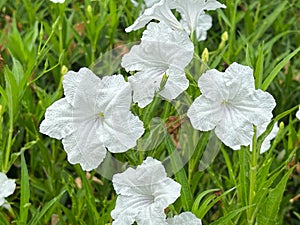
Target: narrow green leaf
{"type": "Point", "coordinates": [25, 192]}
{"type": "Point", "coordinates": [45, 209]}
{"type": "Point", "coordinates": [259, 67]}
{"type": "Point", "coordinates": [230, 215]}
{"type": "Point", "coordinates": [276, 70]}
{"type": "Point", "coordinates": [267, 214]}
{"type": "Point", "coordinates": [180, 174]}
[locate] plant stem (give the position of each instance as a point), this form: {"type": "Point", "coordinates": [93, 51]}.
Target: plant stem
{"type": "Point", "coordinates": [253, 170]}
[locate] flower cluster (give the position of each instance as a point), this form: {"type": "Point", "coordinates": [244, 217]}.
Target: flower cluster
{"type": "Point", "coordinates": [94, 115]}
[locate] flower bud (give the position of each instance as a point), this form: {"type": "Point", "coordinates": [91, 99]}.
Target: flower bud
{"type": "Point", "coordinates": [281, 125]}
{"type": "Point", "coordinates": [89, 11]}
{"type": "Point", "coordinates": [224, 36]}
{"type": "Point", "coordinates": [63, 70]}
{"type": "Point", "coordinates": [205, 55]}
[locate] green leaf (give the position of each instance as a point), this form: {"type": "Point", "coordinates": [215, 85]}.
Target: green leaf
{"type": "Point", "coordinates": [180, 174]}
{"type": "Point", "coordinates": [25, 192]}
{"type": "Point", "coordinates": [267, 214]}
{"type": "Point", "coordinates": [45, 209]}
{"type": "Point", "coordinates": [276, 70]}
{"type": "Point", "coordinates": [229, 216]}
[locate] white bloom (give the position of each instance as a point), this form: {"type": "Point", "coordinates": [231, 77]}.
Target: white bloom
{"type": "Point", "coordinates": [163, 51]}
{"type": "Point", "coordinates": [186, 218]}
{"type": "Point", "coordinates": [159, 11]}
{"type": "Point", "coordinates": [7, 187]}
{"type": "Point", "coordinates": [298, 113]}
{"type": "Point", "coordinates": [230, 104]}
{"type": "Point", "coordinates": [192, 12]}
{"type": "Point", "coordinates": [144, 193]}
{"type": "Point", "coordinates": [93, 115]}
{"type": "Point", "coordinates": [57, 1]}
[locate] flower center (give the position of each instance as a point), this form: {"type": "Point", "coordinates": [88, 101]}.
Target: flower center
{"type": "Point", "coordinates": [101, 115]}
{"type": "Point", "coordinates": [224, 102]}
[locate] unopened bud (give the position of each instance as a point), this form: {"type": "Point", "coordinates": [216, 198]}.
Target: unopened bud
{"type": "Point", "coordinates": [224, 36]}
{"type": "Point", "coordinates": [63, 70]}
{"type": "Point", "coordinates": [89, 11]}
{"type": "Point", "coordinates": [281, 125]}
{"type": "Point", "coordinates": [205, 55]}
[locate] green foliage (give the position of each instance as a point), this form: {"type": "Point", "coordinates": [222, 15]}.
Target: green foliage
{"type": "Point", "coordinates": [40, 40]}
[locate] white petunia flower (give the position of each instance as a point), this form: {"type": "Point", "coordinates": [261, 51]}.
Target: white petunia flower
{"type": "Point", "coordinates": [298, 113]}
{"type": "Point", "coordinates": [159, 11]}
{"type": "Point", "coordinates": [186, 218]}
{"type": "Point", "coordinates": [230, 104]}
{"type": "Point", "coordinates": [163, 53]}
{"type": "Point", "coordinates": [57, 1]}
{"type": "Point", "coordinates": [144, 193]}
{"type": "Point", "coordinates": [7, 187]}
{"type": "Point", "coordinates": [93, 116]}
{"type": "Point", "coordinates": [192, 13]}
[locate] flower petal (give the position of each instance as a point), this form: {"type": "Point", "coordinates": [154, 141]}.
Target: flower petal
{"type": "Point", "coordinates": [213, 5]}
{"type": "Point", "coordinates": [150, 81]}
{"type": "Point", "coordinates": [152, 215]}
{"type": "Point", "coordinates": [58, 122]}
{"type": "Point", "coordinates": [7, 187]}
{"type": "Point", "coordinates": [186, 218]}
{"type": "Point", "coordinates": [258, 107]}
{"type": "Point", "coordinates": [234, 129]}
{"type": "Point", "coordinates": [84, 147]}
{"type": "Point", "coordinates": [213, 85]}
{"type": "Point", "coordinates": [239, 80]}
{"type": "Point", "coordinates": [161, 47]}
{"type": "Point", "coordinates": [267, 142]}
{"type": "Point", "coordinates": [192, 9]}
{"type": "Point", "coordinates": [75, 84]}
{"type": "Point", "coordinates": [159, 11]}
{"type": "Point", "coordinates": [298, 113]}
{"type": "Point", "coordinates": [121, 131]}
{"type": "Point", "coordinates": [204, 113]}
{"type": "Point", "coordinates": [175, 85]}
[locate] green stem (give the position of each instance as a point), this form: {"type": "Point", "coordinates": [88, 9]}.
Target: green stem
{"type": "Point", "coordinates": [180, 175]}
{"type": "Point", "coordinates": [252, 174]}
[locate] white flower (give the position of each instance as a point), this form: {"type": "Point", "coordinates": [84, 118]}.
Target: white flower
{"type": "Point", "coordinates": [57, 1]}
{"type": "Point", "coordinates": [298, 113]}
{"type": "Point", "coordinates": [192, 13]}
{"type": "Point", "coordinates": [230, 104]}
{"type": "Point", "coordinates": [159, 11]}
{"type": "Point", "coordinates": [193, 17]}
{"type": "Point", "coordinates": [186, 218]}
{"type": "Point", "coordinates": [93, 116]}
{"type": "Point", "coordinates": [144, 193]}
{"type": "Point", "coordinates": [162, 52]}
{"type": "Point", "coordinates": [7, 187]}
